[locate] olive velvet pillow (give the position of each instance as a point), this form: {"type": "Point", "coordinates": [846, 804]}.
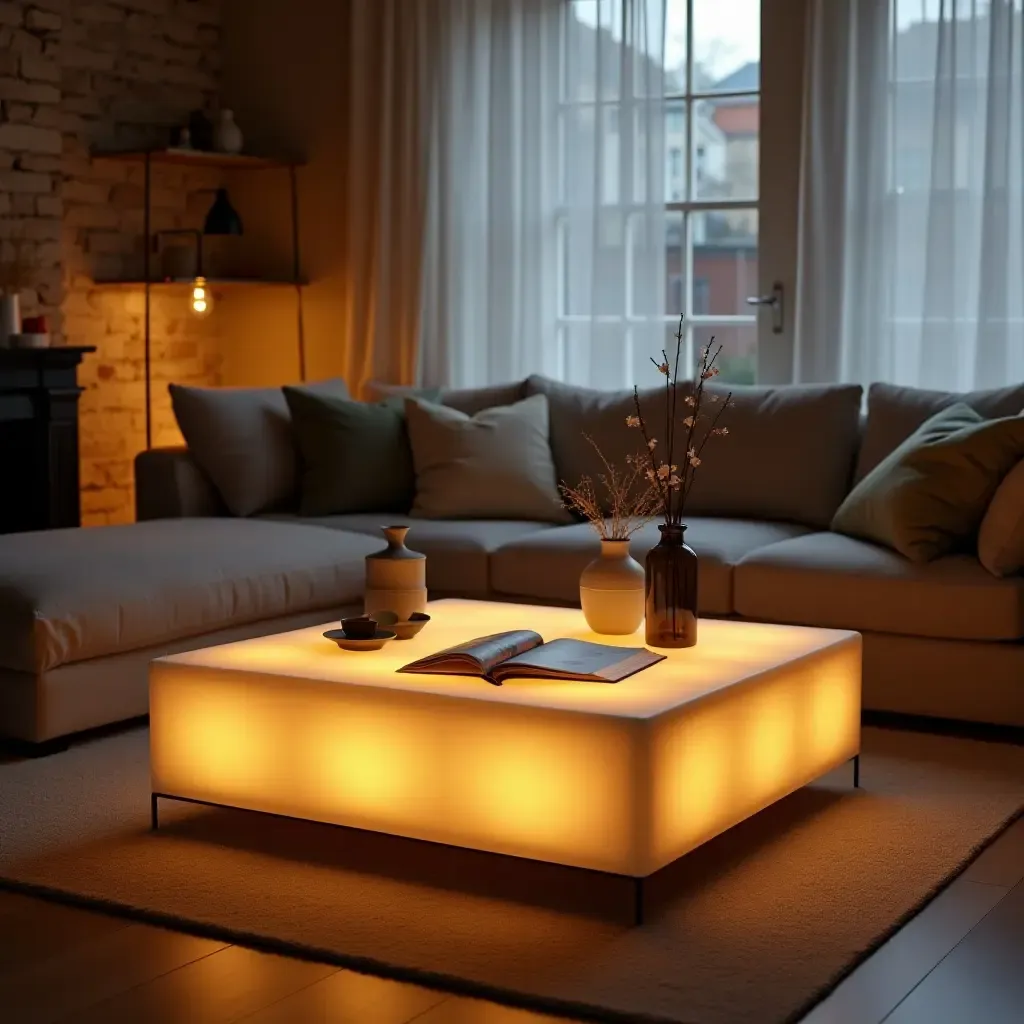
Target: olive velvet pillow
{"type": "Point", "coordinates": [354, 456]}
{"type": "Point", "coordinates": [929, 496]}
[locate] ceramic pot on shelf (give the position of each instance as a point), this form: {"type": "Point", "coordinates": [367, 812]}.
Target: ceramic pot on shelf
{"type": "Point", "coordinates": [227, 136]}
{"type": "Point", "coordinates": [396, 578]}
{"type": "Point", "coordinates": [671, 591]}
{"type": "Point", "coordinates": [612, 590]}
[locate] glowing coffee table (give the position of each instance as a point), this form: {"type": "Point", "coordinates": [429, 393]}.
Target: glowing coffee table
{"type": "Point", "coordinates": [619, 778]}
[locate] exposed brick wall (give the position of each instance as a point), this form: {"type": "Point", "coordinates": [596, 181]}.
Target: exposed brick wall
{"type": "Point", "coordinates": [131, 71]}
{"type": "Point", "coordinates": [31, 146]}
{"type": "Point", "coordinates": [75, 75]}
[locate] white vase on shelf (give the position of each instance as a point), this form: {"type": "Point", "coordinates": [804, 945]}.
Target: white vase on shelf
{"type": "Point", "coordinates": [612, 590]}
{"type": "Point", "coordinates": [227, 136]}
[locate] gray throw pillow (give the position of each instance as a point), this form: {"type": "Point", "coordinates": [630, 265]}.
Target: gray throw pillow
{"type": "Point", "coordinates": [494, 465]}
{"type": "Point", "coordinates": [355, 456]}
{"type": "Point", "coordinates": [242, 439]}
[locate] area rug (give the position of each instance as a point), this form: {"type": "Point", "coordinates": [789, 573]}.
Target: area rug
{"type": "Point", "coordinates": [753, 927]}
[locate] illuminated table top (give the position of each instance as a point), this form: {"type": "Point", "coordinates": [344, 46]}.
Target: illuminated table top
{"type": "Point", "coordinates": [728, 652]}
{"type": "Point", "coordinates": [621, 778]}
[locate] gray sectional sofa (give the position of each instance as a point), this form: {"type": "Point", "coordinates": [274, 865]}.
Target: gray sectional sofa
{"type": "Point", "coordinates": [83, 611]}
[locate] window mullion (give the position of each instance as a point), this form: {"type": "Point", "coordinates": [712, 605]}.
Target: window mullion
{"type": "Point", "coordinates": [689, 48]}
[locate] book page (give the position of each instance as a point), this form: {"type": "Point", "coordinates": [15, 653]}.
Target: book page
{"type": "Point", "coordinates": [580, 660]}
{"type": "Point", "coordinates": [478, 656]}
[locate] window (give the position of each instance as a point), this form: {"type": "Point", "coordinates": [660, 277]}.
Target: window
{"type": "Point", "coordinates": [675, 294]}
{"type": "Point", "coordinates": [710, 83]}
{"type": "Point", "coordinates": [676, 184]}
{"type": "Point", "coordinates": [701, 295]}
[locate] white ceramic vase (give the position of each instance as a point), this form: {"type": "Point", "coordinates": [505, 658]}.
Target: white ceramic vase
{"type": "Point", "coordinates": [10, 318]}
{"type": "Point", "coordinates": [227, 136]}
{"type": "Point", "coordinates": [612, 590]}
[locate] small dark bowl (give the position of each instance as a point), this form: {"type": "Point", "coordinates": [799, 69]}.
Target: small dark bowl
{"type": "Point", "coordinates": [408, 629]}
{"type": "Point", "coordinates": [360, 627]}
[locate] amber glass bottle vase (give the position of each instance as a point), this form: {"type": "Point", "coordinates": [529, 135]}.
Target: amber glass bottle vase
{"type": "Point", "coordinates": [670, 591]}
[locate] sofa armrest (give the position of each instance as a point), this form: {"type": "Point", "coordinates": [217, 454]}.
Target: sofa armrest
{"type": "Point", "coordinates": [170, 485]}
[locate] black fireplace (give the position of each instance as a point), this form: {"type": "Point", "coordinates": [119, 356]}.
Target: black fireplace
{"type": "Point", "coordinates": [39, 438]}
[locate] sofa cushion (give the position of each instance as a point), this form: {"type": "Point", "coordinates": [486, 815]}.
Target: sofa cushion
{"type": "Point", "coordinates": [929, 496]}
{"type": "Point", "coordinates": [494, 465]}
{"type": "Point", "coordinates": [546, 566]}
{"type": "Point", "coordinates": [169, 484]}
{"type": "Point", "coordinates": [826, 579]}
{"type": "Point", "coordinates": [242, 439]}
{"type": "Point", "coordinates": [458, 550]}
{"type": "Point", "coordinates": [577, 413]}
{"type": "Point", "coordinates": [788, 456]}
{"type": "Point", "coordinates": [894, 413]}
{"type": "Point", "coordinates": [69, 595]}
{"type": "Point", "coordinates": [1001, 537]}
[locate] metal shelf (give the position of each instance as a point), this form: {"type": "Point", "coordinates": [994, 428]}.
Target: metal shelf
{"type": "Point", "coordinates": [213, 282]}
{"type": "Point", "coordinates": [196, 158]}
{"type": "Point", "coordinates": [149, 158]}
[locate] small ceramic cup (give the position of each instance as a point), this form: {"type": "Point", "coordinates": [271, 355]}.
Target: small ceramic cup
{"type": "Point", "coordinates": [360, 627]}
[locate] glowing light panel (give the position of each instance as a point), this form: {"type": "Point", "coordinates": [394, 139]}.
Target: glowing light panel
{"type": "Point", "coordinates": [622, 778]}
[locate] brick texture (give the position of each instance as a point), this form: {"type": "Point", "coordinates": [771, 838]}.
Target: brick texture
{"type": "Point", "coordinates": [76, 76]}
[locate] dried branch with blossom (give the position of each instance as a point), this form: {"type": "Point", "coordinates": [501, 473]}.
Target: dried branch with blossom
{"type": "Point", "coordinates": [632, 500]}
{"type": "Point", "coordinates": [674, 486]}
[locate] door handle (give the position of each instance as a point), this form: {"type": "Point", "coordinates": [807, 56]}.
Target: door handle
{"type": "Point", "coordinates": [774, 300]}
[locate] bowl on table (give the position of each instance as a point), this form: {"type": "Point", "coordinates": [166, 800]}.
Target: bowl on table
{"type": "Point", "coordinates": [361, 633]}
{"type": "Point", "coordinates": [406, 629]}
{"type": "Point", "coordinates": [361, 627]}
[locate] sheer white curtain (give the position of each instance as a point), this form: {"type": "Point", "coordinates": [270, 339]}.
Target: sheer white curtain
{"type": "Point", "coordinates": [545, 241]}
{"type": "Point", "coordinates": [912, 226]}
{"type": "Point", "coordinates": [391, 79]}
{"type": "Point", "coordinates": [612, 223]}
{"type": "Point", "coordinates": [489, 266]}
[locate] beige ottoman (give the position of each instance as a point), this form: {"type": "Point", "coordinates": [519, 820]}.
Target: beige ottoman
{"type": "Point", "coordinates": [84, 611]}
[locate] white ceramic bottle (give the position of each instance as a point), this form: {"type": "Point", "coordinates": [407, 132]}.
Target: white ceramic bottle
{"type": "Point", "coordinates": [612, 590]}
{"type": "Point", "coordinates": [227, 136]}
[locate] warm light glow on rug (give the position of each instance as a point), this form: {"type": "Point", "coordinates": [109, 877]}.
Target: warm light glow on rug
{"type": "Point", "coordinates": [622, 778]}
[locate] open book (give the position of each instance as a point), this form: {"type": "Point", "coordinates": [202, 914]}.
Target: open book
{"type": "Point", "coordinates": [522, 652]}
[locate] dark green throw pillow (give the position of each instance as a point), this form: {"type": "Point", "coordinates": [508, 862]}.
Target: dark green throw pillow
{"type": "Point", "coordinates": [355, 456]}
{"type": "Point", "coordinates": [929, 496]}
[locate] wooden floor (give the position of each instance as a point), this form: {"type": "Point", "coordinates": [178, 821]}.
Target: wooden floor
{"type": "Point", "coordinates": [960, 960]}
